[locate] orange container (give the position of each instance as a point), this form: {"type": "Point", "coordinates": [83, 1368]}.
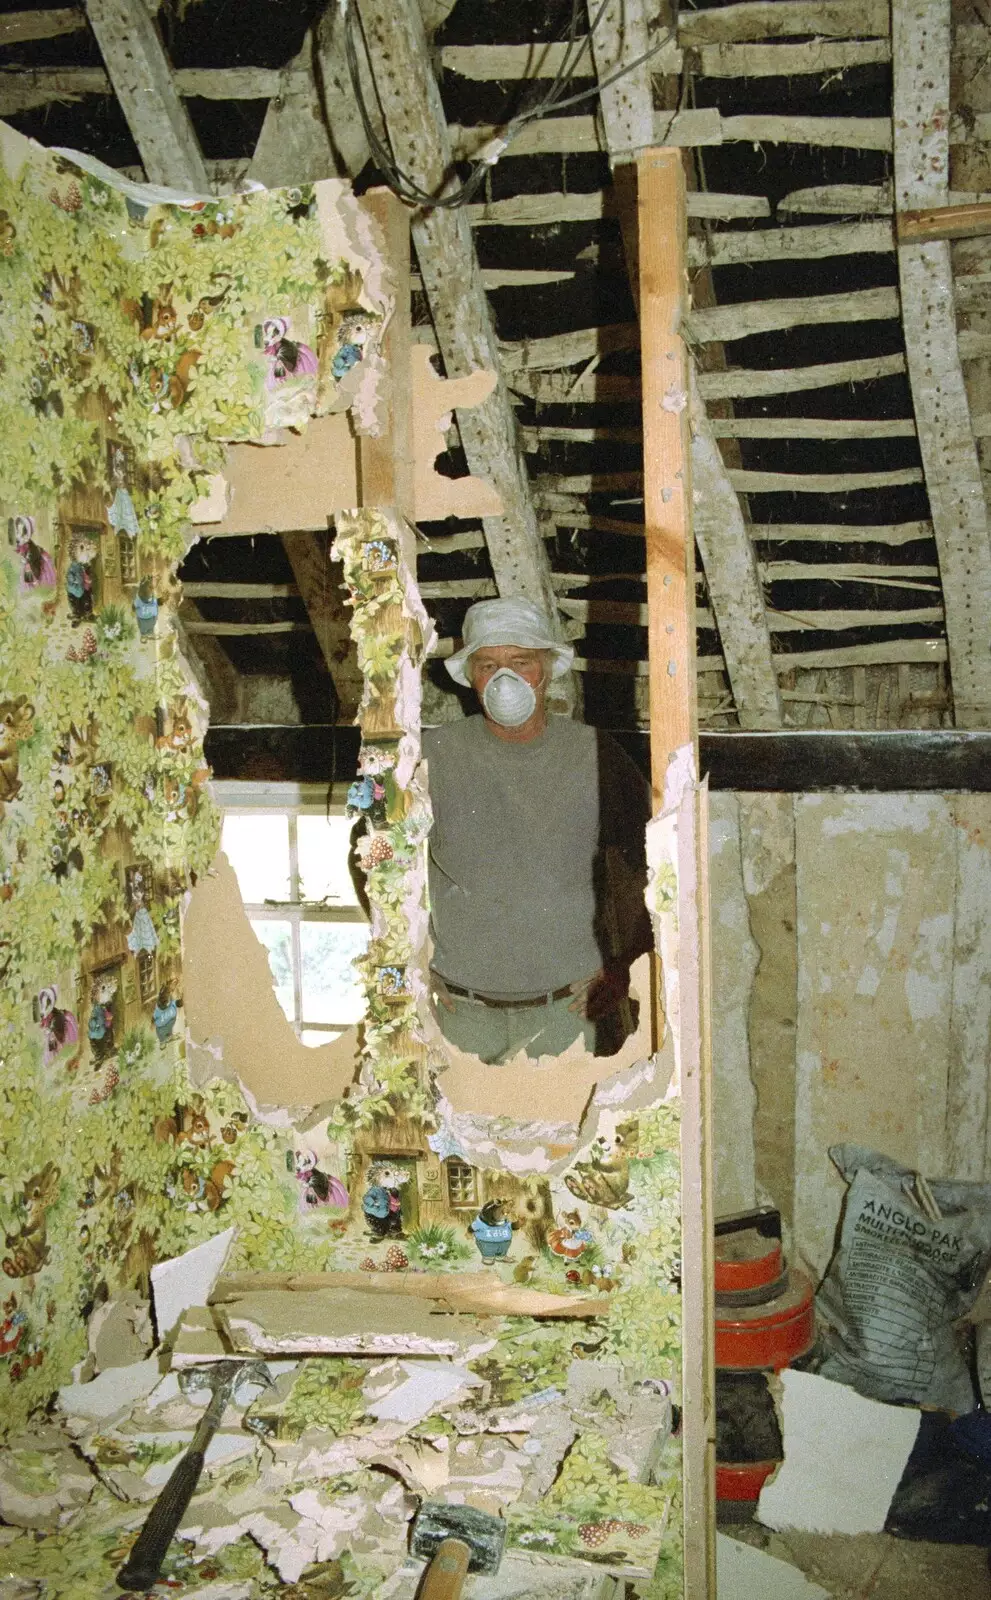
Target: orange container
{"type": "Point", "coordinates": [768, 1336]}
{"type": "Point", "coordinates": [746, 1260]}
{"type": "Point", "coordinates": [742, 1480]}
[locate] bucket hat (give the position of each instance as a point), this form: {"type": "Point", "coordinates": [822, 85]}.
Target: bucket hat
{"type": "Point", "coordinates": [507, 621]}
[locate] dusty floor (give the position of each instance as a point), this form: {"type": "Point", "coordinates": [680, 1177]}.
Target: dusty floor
{"type": "Point", "coordinates": [874, 1566]}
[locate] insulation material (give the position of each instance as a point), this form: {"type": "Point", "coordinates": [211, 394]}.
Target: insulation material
{"type": "Point", "coordinates": [843, 1458]}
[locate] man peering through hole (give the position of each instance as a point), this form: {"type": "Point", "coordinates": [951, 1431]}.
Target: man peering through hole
{"type": "Point", "coordinates": [537, 854]}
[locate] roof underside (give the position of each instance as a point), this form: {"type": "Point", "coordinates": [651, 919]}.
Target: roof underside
{"type": "Point", "coordinates": [828, 474]}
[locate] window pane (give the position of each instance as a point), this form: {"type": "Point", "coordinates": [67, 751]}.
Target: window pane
{"type": "Point", "coordinates": [323, 844]}
{"type": "Point", "coordinates": [258, 850]}
{"type": "Point", "coordinates": [277, 939]}
{"type": "Point", "coordinates": [331, 992]}
{"type": "Point", "coordinates": [317, 1036]}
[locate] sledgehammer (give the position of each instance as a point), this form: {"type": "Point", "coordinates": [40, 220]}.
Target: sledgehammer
{"type": "Point", "coordinates": [459, 1540]}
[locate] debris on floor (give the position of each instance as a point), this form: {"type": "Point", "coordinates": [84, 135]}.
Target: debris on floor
{"type": "Point", "coordinates": [355, 1407]}
{"type": "Point", "coordinates": [843, 1458]}
{"type": "Point", "coordinates": [743, 1573]}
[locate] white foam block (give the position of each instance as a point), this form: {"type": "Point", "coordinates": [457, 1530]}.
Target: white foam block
{"type": "Point", "coordinates": [743, 1573]}
{"type": "Point", "coordinates": [187, 1280]}
{"type": "Point", "coordinates": [843, 1458]}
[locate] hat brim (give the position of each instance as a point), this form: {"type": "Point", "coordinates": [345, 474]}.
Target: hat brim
{"type": "Point", "coordinates": [457, 664]}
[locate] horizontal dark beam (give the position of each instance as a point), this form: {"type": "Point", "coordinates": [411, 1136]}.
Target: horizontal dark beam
{"type": "Point", "coordinates": [304, 754]}
{"type": "Point", "coordinates": [910, 759]}
{"type": "Point", "coordinates": [934, 760]}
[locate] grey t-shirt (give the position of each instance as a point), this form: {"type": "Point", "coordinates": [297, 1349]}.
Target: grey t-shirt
{"type": "Point", "coordinates": [514, 853]}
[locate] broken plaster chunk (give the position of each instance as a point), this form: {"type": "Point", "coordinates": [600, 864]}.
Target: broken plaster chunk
{"type": "Point", "coordinates": [745, 1573]}
{"type": "Point", "coordinates": [187, 1280]}
{"type": "Point", "coordinates": [675, 399]}
{"type": "Point", "coordinates": [113, 1392]}
{"type": "Point", "coordinates": [843, 1458]}
{"type": "Point", "coordinates": [42, 1480]}
{"type": "Point", "coordinates": [120, 1332]}
{"type": "Point", "coordinates": [428, 1384]}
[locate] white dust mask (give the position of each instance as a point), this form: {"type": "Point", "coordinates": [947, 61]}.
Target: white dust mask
{"type": "Point", "coordinates": [508, 699]}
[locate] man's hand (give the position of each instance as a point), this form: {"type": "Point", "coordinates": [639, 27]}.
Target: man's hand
{"type": "Point", "coordinates": [602, 992]}
{"type": "Point", "coordinates": [438, 991]}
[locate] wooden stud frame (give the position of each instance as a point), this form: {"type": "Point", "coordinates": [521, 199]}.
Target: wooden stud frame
{"type": "Point", "coordinates": [673, 734]}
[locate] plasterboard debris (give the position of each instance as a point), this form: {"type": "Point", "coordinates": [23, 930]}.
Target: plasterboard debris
{"type": "Point", "coordinates": [41, 1480]}
{"type": "Point", "coordinates": [843, 1458]}
{"type": "Point", "coordinates": [345, 1322]}
{"type": "Point", "coordinates": [518, 1578]}
{"type": "Point", "coordinates": [427, 1384]}
{"type": "Point", "coordinates": [744, 1573]}
{"type": "Point", "coordinates": [120, 1331]}
{"type": "Point", "coordinates": [188, 1279]}
{"type": "Point", "coordinates": [111, 1394]}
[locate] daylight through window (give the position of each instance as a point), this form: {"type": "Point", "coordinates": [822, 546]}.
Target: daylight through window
{"type": "Point", "coordinates": [291, 861]}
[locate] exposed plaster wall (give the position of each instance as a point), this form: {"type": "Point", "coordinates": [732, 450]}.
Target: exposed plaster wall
{"type": "Point", "coordinates": [876, 884]}
{"type": "Point", "coordinates": [870, 1007]}
{"type": "Point", "coordinates": [968, 1152]}
{"type": "Point", "coordinates": [734, 959]}
{"type": "Point", "coordinates": [767, 847]}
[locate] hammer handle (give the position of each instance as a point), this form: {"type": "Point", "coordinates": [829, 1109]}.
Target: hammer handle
{"type": "Point", "coordinates": [144, 1564]}
{"type": "Point", "coordinates": [445, 1576]}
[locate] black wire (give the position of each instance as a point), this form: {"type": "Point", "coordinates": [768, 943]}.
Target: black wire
{"type": "Point", "coordinates": [404, 185]}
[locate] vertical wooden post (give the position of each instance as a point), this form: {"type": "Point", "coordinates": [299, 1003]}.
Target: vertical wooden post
{"type": "Point", "coordinates": [385, 461]}
{"type": "Point", "coordinates": [673, 726]}
{"type": "Point", "coordinates": [666, 452]}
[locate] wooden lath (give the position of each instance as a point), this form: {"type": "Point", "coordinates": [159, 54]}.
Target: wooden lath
{"type": "Point", "coordinates": [418, 134]}
{"type": "Point", "coordinates": [627, 109]}
{"type": "Point", "coordinates": [142, 78]}
{"type": "Point", "coordinates": [921, 41]}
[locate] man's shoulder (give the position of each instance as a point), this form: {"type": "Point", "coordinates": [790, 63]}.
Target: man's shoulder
{"type": "Point", "coordinates": [575, 735]}
{"type": "Point", "coordinates": [451, 736]}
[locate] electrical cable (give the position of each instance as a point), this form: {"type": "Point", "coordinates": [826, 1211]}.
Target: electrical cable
{"type": "Point", "coordinates": [553, 99]}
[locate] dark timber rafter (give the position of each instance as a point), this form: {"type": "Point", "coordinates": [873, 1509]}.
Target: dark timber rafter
{"type": "Point", "coordinates": [141, 74]}
{"type": "Point", "coordinates": [421, 146]}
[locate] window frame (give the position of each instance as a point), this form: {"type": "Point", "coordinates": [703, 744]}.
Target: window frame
{"type": "Point", "coordinates": [292, 800]}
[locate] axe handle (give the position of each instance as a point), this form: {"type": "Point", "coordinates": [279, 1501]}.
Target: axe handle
{"type": "Point", "coordinates": [445, 1577]}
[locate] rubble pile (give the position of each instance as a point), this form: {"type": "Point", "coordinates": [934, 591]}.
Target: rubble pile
{"type": "Point", "coordinates": [320, 1463]}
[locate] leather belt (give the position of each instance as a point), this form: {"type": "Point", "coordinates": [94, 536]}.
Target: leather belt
{"type": "Point", "coordinates": [512, 1005]}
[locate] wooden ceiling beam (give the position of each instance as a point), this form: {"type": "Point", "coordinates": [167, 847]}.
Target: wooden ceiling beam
{"type": "Point", "coordinates": [26, 88]}
{"type": "Point", "coordinates": [418, 133]}
{"type": "Point", "coordinates": [312, 129]}
{"type": "Point", "coordinates": [921, 56]}
{"type": "Point", "coordinates": [320, 584]}
{"type": "Point", "coordinates": [17, 27]}
{"type": "Point", "coordinates": [214, 673]}
{"type": "Point", "coordinates": [141, 74]}
{"type": "Point", "coordinates": [620, 41]}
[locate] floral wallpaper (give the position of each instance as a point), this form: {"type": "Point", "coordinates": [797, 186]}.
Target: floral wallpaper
{"type": "Point", "coordinates": [137, 341]}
